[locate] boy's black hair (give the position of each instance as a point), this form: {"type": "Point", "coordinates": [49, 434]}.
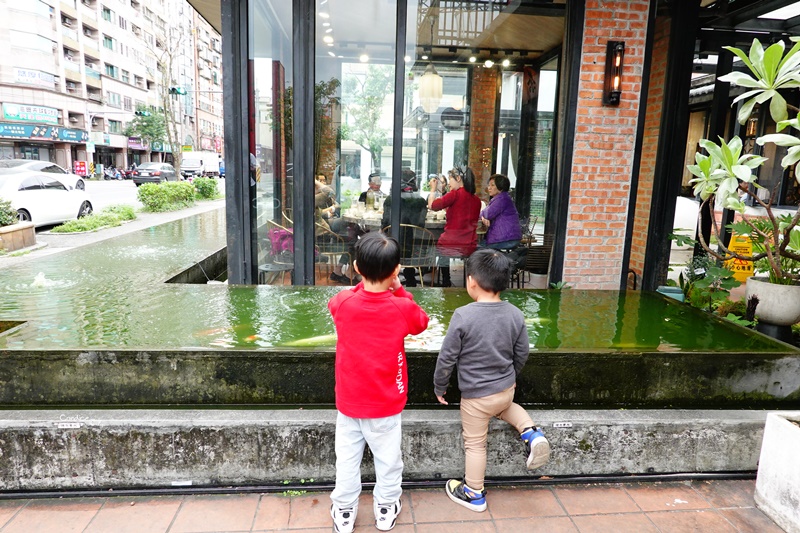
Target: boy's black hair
{"type": "Point", "coordinates": [490, 269]}
{"type": "Point", "coordinates": [377, 255]}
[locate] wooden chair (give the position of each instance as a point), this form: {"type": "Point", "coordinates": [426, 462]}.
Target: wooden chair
{"type": "Point", "coordinates": [332, 246]}
{"type": "Point", "coordinates": [278, 263]}
{"type": "Point", "coordinates": [422, 252]}
{"type": "Point", "coordinates": [537, 261]}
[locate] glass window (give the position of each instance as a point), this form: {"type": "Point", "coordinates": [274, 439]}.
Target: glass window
{"type": "Point", "coordinates": [354, 120]}
{"type": "Point", "coordinates": [107, 14]}
{"type": "Point", "coordinates": [126, 76]}
{"type": "Point", "coordinates": [270, 153]}
{"type": "Point", "coordinates": [108, 42]}
{"type": "Point", "coordinates": [52, 184]}
{"type": "Point", "coordinates": [30, 184]}
{"type": "Point", "coordinates": [53, 169]}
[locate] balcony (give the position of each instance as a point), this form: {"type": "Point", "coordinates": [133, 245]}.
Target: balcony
{"type": "Point", "coordinates": [91, 48]}
{"type": "Point", "coordinates": [67, 9]}
{"type": "Point", "coordinates": [93, 79]}
{"type": "Point", "coordinates": [70, 38]}
{"type": "Point", "coordinates": [95, 96]}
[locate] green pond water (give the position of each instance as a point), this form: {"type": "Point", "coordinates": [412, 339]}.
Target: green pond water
{"type": "Point", "coordinates": [112, 295]}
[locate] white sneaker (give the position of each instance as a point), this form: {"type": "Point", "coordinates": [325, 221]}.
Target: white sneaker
{"type": "Point", "coordinates": [386, 514]}
{"type": "Point", "coordinates": [344, 520]}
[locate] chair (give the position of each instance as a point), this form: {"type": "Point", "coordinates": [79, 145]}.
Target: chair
{"type": "Point", "coordinates": [527, 230]}
{"type": "Point", "coordinates": [418, 249]}
{"type": "Point", "coordinates": [280, 254]}
{"type": "Point", "coordinates": [331, 246]}
{"type": "Point", "coordinates": [537, 261]}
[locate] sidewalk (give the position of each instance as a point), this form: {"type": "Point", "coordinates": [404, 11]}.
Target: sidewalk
{"type": "Point", "coordinates": [675, 507]}
{"type": "Point", "coordinates": [50, 243]}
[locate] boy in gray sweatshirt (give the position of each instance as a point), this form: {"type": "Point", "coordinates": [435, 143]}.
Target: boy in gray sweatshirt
{"type": "Point", "coordinates": [489, 342]}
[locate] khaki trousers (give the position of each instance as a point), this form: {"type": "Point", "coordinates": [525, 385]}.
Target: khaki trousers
{"type": "Point", "coordinates": [475, 416]}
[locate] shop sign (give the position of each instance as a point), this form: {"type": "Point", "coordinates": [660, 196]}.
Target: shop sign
{"type": "Point", "coordinates": [136, 143]}
{"type": "Point", "coordinates": [206, 143]}
{"type": "Point", "coordinates": [98, 137]}
{"type": "Point", "coordinates": [89, 147]}
{"type": "Point", "coordinates": [35, 77]}
{"type": "Point", "coordinates": [187, 148]}
{"type": "Point", "coordinates": [44, 133]}
{"type": "Point", "coordinates": [742, 245]}
{"type": "Point", "coordinates": [30, 113]}
{"type": "Point", "coordinates": [218, 144]}
{"type": "Point", "coordinates": [159, 146]}
{"type": "Point", "coordinates": [79, 168]}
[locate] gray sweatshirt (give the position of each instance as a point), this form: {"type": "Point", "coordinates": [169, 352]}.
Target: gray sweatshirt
{"type": "Point", "coordinates": [489, 342]}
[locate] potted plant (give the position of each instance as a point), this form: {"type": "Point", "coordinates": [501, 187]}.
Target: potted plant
{"type": "Point", "coordinates": [14, 234]}
{"type": "Point", "coordinates": [726, 176]}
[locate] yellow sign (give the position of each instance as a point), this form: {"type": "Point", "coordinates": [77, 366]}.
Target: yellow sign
{"type": "Point", "coordinates": [186, 148]}
{"type": "Point", "coordinates": [742, 245]}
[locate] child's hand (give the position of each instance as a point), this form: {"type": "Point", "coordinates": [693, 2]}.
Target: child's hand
{"type": "Point", "coordinates": [395, 284]}
{"type": "Point", "coordinates": [441, 399]}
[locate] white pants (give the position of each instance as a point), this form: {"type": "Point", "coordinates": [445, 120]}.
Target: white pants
{"type": "Point", "coordinates": [383, 436]}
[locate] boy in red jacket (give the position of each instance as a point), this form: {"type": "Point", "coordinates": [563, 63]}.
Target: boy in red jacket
{"type": "Point", "coordinates": [371, 380]}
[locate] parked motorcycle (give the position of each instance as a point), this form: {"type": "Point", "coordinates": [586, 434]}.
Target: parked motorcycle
{"type": "Point", "coordinates": [111, 173]}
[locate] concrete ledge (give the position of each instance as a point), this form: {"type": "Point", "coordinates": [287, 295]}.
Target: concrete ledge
{"type": "Point", "coordinates": [60, 449]}
{"type": "Point", "coordinates": [305, 377]}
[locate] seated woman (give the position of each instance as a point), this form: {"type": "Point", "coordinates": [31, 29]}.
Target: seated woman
{"type": "Point", "coordinates": [460, 237]}
{"type": "Point", "coordinates": [501, 217]}
{"type": "Point", "coordinates": [325, 217]}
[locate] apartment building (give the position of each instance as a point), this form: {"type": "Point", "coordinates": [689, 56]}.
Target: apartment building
{"type": "Point", "coordinates": [75, 72]}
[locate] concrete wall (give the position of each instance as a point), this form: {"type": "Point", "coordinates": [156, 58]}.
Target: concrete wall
{"type": "Point", "coordinates": [146, 448]}
{"type": "Point", "coordinates": [306, 377]}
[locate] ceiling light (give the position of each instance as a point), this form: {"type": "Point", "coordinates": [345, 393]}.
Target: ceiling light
{"type": "Point", "coordinates": [472, 59]}
{"type": "Point", "coordinates": [331, 54]}
{"type": "Point", "coordinates": [330, 44]}
{"type": "Point", "coordinates": [326, 24]}
{"type": "Point", "coordinates": [327, 39]}
{"type": "Point", "coordinates": [407, 59]}
{"type": "Point", "coordinates": [340, 57]}
{"type": "Point", "coordinates": [323, 2]}
{"type": "Point", "coordinates": [324, 15]}
{"type": "Point", "coordinates": [363, 58]}
{"type": "Point", "coordinates": [488, 63]}
{"type": "Point", "coordinates": [425, 57]}
{"type": "Point", "coordinates": [329, 30]}
{"type": "Point", "coordinates": [430, 89]}
{"type": "Point", "coordinates": [506, 62]}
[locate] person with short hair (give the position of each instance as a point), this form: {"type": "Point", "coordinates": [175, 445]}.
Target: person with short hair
{"type": "Point", "coordinates": [488, 341]}
{"type": "Point", "coordinates": [374, 183]}
{"type": "Point", "coordinates": [501, 217]}
{"type": "Point", "coordinates": [412, 212]}
{"type": "Point", "coordinates": [372, 380]}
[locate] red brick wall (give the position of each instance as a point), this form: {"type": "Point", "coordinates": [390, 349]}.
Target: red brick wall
{"type": "Point", "coordinates": [604, 146]}
{"type": "Point", "coordinates": [655, 99]}
{"type": "Point", "coordinates": [481, 124]}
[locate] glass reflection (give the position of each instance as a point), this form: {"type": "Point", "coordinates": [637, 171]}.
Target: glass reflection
{"type": "Point", "coordinates": [270, 151]}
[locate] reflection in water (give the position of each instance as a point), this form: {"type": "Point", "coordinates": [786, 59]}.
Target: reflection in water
{"type": "Point", "coordinates": [112, 295]}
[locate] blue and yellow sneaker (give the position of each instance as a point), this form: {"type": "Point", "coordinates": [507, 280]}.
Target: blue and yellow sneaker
{"type": "Point", "coordinates": [536, 446]}
{"type": "Point", "coordinates": [465, 496]}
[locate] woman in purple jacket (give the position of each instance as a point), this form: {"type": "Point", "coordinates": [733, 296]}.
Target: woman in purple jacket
{"type": "Point", "coordinates": [500, 216]}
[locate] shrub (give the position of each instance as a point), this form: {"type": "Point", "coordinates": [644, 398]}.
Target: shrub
{"type": "Point", "coordinates": [166, 196]}
{"type": "Point", "coordinates": [8, 215]}
{"type": "Point", "coordinates": [90, 223]}
{"type": "Point", "coordinates": [206, 188]}
{"type": "Point", "coordinates": [124, 212]}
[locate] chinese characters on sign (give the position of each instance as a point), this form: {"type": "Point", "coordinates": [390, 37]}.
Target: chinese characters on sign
{"type": "Point", "coordinates": [30, 113]}
{"type": "Point", "coordinates": [34, 77]}
{"type": "Point", "coordinates": [45, 133]}
{"type": "Point", "coordinates": [742, 245]}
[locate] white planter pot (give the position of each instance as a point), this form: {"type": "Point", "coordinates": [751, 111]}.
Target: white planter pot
{"type": "Point", "coordinates": [777, 304]}
{"type": "Point", "coordinates": [778, 482]}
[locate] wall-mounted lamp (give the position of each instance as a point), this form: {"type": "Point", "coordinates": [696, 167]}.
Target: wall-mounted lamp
{"type": "Point", "coordinates": [751, 126]}
{"type": "Point", "coordinates": [615, 51]}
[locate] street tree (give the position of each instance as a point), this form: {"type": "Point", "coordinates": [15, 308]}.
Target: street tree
{"type": "Point", "coordinates": [148, 126]}
{"type": "Point", "coordinates": [364, 99]}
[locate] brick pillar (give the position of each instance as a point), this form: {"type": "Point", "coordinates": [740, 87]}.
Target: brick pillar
{"type": "Point", "coordinates": [604, 146]}
{"type": "Point", "coordinates": [481, 123]}
{"type": "Point", "coordinates": [647, 167]}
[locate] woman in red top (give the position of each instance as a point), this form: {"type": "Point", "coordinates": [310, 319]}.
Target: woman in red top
{"type": "Point", "coordinates": [460, 236]}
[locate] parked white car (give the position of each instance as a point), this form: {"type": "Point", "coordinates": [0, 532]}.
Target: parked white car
{"type": "Point", "coordinates": [42, 199]}
{"type": "Point", "coordinates": [67, 178]}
